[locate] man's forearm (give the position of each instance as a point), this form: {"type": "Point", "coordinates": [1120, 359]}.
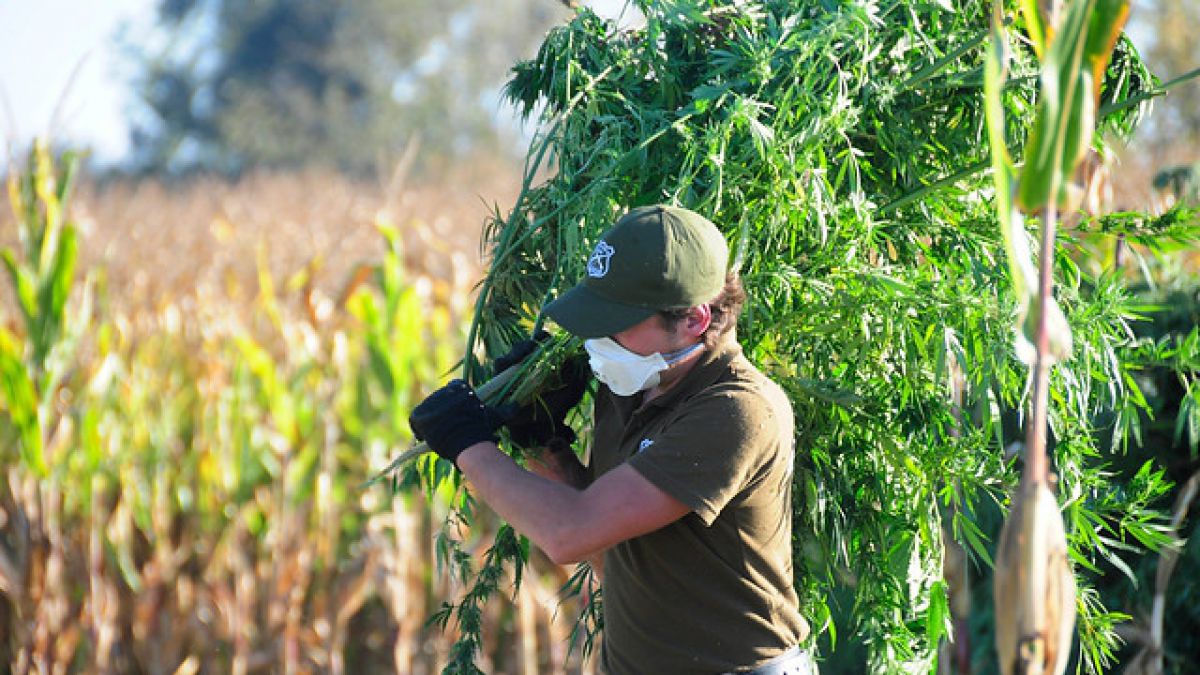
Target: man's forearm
{"type": "Point", "coordinates": [559, 464]}
{"type": "Point", "coordinates": [563, 466]}
{"type": "Point", "coordinates": [550, 513]}
{"type": "Point", "coordinates": [567, 523]}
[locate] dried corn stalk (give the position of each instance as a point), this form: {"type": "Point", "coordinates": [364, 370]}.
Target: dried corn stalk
{"type": "Point", "coordinates": [1034, 587]}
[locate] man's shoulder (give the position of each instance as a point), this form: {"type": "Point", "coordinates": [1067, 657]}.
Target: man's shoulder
{"type": "Point", "coordinates": [743, 397]}
{"type": "Point", "coordinates": [746, 382]}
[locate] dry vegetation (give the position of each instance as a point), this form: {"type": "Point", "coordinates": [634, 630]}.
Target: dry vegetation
{"type": "Point", "coordinates": [160, 242]}
{"type": "Point", "coordinates": [200, 508]}
{"type": "Point", "coordinates": [1132, 179]}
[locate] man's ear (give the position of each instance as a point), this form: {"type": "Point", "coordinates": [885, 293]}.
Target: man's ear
{"type": "Point", "coordinates": [698, 320]}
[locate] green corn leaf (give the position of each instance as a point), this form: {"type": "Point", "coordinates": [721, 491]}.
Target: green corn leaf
{"type": "Point", "coordinates": [70, 168]}
{"type": "Point", "coordinates": [1104, 29]}
{"type": "Point", "coordinates": [90, 439]}
{"type": "Point", "coordinates": [46, 191]}
{"type": "Point", "coordinates": [381, 366]}
{"type": "Point", "coordinates": [56, 286]}
{"type": "Point", "coordinates": [274, 393]}
{"type": "Point", "coordinates": [1071, 77]}
{"type": "Point", "coordinates": [361, 306]}
{"type": "Point", "coordinates": [1034, 25]}
{"type": "Point", "coordinates": [1051, 152]}
{"type": "Point", "coordinates": [23, 282]}
{"type": "Point", "coordinates": [19, 397]}
{"type": "Point", "coordinates": [391, 235]}
{"type": "Point", "coordinates": [1016, 242]}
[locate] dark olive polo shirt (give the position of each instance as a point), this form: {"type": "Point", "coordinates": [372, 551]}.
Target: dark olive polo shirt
{"type": "Point", "coordinates": [711, 592]}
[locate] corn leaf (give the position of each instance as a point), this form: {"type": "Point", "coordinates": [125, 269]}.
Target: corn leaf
{"type": "Point", "coordinates": [1070, 82]}
{"type": "Point", "coordinates": [1016, 241]}
{"type": "Point", "coordinates": [23, 282]}
{"type": "Point", "coordinates": [21, 401]}
{"type": "Point", "coordinates": [1035, 24]}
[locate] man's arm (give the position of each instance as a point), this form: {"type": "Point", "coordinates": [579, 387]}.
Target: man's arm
{"type": "Point", "coordinates": [567, 523]}
{"type": "Point", "coordinates": [560, 465]}
{"type": "Point", "coordinates": [565, 467]}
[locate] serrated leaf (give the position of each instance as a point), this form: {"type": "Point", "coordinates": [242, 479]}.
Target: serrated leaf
{"type": "Point", "coordinates": [937, 619]}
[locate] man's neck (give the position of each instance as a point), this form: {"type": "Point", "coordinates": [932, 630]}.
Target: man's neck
{"type": "Point", "coordinates": [673, 375]}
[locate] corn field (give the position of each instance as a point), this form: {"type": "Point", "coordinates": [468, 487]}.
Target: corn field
{"type": "Point", "coordinates": [188, 417]}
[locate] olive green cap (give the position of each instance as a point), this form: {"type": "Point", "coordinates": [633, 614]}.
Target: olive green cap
{"type": "Point", "coordinates": [653, 258]}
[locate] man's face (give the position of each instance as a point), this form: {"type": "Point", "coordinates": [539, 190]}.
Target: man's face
{"type": "Point", "coordinates": [652, 335]}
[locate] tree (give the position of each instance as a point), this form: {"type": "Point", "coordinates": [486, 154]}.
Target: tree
{"type": "Point", "coordinates": [289, 83]}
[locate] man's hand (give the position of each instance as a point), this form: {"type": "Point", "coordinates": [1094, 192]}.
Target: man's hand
{"type": "Point", "coordinates": [453, 419]}
{"type": "Point", "coordinates": [560, 465]}
{"type": "Point", "coordinates": [541, 423]}
{"type": "Point", "coordinates": [518, 353]}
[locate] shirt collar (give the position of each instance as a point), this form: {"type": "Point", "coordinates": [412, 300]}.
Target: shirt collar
{"type": "Point", "coordinates": [710, 366]}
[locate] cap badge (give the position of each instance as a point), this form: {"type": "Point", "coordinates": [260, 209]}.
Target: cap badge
{"type": "Point", "coordinates": [597, 265]}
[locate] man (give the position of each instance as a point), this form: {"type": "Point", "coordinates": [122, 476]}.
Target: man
{"type": "Point", "coordinates": [687, 494]}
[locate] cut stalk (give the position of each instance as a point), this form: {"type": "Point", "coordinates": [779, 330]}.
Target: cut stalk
{"type": "Point", "coordinates": [1118, 106]}
{"type": "Point", "coordinates": [505, 247]}
{"type": "Point", "coordinates": [489, 392]}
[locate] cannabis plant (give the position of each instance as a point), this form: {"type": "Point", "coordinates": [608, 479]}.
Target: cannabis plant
{"type": "Point", "coordinates": [842, 148]}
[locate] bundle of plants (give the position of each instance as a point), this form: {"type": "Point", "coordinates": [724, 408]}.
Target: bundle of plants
{"type": "Point", "coordinates": [842, 149]}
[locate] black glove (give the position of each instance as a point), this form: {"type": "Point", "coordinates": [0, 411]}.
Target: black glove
{"type": "Point", "coordinates": [453, 419]}
{"type": "Point", "coordinates": [542, 422]}
{"type": "Point", "coordinates": [519, 352]}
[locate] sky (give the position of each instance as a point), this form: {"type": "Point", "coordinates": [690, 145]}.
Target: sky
{"type": "Point", "coordinates": [62, 55]}
{"type": "Point", "coordinates": [62, 73]}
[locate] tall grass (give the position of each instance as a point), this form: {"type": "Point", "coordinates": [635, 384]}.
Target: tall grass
{"type": "Point", "coordinates": [187, 418]}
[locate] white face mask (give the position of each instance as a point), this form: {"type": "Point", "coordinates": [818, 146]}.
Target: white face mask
{"type": "Point", "coordinates": [627, 373]}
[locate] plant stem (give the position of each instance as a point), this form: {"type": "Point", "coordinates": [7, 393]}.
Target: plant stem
{"type": "Point", "coordinates": [486, 392]}
{"type": "Point", "coordinates": [1036, 464]}
{"type": "Point", "coordinates": [935, 67]}
{"type": "Point", "coordinates": [938, 184]}
{"type": "Point", "coordinates": [505, 247]}
{"type": "Point", "coordinates": [1118, 106]}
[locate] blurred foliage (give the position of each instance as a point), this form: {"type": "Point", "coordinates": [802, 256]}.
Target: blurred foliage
{"type": "Point", "coordinates": [1181, 182]}
{"type": "Point", "coordinates": [182, 490]}
{"type": "Point", "coordinates": [348, 84]}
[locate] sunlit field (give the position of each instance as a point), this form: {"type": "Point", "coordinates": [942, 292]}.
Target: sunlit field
{"type": "Point", "coordinates": [208, 386]}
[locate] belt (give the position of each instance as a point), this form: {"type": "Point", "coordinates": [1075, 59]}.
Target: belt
{"type": "Point", "coordinates": [794, 661]}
